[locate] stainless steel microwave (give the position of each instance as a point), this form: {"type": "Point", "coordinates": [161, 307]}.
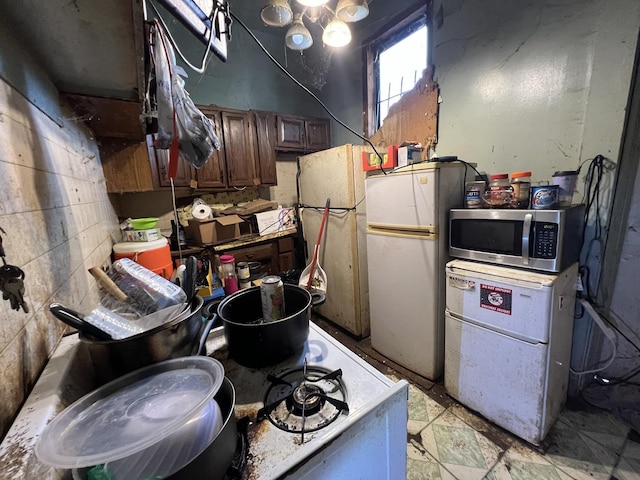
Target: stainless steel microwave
{"type": "Point", "coordinates": [545, 240]}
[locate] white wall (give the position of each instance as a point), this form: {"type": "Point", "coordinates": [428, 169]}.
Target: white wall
{"type": "Point", "coordinates": [56, 214]}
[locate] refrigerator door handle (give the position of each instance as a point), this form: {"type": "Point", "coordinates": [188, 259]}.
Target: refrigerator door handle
{"type": "Point", "coordinates": [526, 231]}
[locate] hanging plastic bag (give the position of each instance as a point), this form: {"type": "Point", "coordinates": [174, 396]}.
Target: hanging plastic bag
{"type": "Point", "coordinates": [177, 114]}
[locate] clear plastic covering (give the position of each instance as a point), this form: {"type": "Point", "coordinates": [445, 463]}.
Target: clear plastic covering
{"type": "Point", "coordinates": [163, 407]}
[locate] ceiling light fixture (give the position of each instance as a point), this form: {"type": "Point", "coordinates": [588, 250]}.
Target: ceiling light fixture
{"type": "Point", "coordinates": [336, 33]}
{"type": "Point", "coordinates": [352, 10]}
{"type": "Point", "coordinates": [312, 3]}
{"type": "Point", "coordinates": [298, 37]}
{"type": "Point", "coordinates": [279, 13]}
{"type": "Point", "coordinates": [276, 13]}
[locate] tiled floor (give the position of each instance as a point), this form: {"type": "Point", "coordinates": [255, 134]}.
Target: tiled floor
{"type": "Point", "coordinates": [447, 441]}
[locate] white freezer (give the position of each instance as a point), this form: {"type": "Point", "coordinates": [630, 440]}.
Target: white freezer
{"type": "Point", "coordinates": [508, 343]}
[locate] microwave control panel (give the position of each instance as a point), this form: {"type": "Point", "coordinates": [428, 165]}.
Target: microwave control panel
{"type": "Point", "coordinates": [545, 240]}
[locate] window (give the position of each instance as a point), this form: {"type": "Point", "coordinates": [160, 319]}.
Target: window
{"type": "Point", "coordinates": [395, 61]}
{"type": "Point", "coordinates": [196, 15]}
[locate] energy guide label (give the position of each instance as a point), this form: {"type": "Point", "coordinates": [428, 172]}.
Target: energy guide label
{"type": "Point", "coordinates": [496, 298]}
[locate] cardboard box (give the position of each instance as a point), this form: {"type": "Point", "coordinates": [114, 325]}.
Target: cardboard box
{"type": "Point", "coordinates": [275, 220]}
{"type": "Point", "coordinates": [217, 230]}
{"type": "Point", "coordinates": [409, 155]}
{"type": "Point", "coordinates": [148, 235]}
{"type": "Point", "coordinates": [370, 161]}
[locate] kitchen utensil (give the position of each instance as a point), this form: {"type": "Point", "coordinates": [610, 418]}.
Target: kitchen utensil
{"type": "Point", "coordinates": [309, 277]}
{"type": "Point", "coordinates": [255, 343]}
{"type": "Point", "coordinates": [176, 338]}
{"type": "Point", "coordinates": [147, 424]}
{"type": "Point", "coordinates": [76, 320]}
{"type": "Point", "coordinates": [143, 223]}
{"type": "Point", "coordinates": [190, 275]}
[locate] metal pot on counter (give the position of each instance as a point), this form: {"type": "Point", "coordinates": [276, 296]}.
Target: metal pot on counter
{"type": "Point", "coordinates": [254, 342]}
{"type": "Point", "coordinates": [182, 336]}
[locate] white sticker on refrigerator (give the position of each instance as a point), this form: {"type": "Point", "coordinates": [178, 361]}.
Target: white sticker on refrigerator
{"type": "Point", "coordinates": [461, 283]}
{"type": "Point", "coordinates": [496, 298]}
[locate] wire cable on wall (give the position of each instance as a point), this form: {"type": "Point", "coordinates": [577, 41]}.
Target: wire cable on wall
{"type": "Point", "coordinates": [309, 92]}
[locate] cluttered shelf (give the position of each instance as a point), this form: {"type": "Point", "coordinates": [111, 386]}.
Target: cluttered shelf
{"type": "Point", "coordinates": [247, 240]}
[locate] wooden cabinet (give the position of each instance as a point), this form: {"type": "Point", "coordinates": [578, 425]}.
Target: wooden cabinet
{"type": "Point", "coordinates": [302, 134]}
{"type": "Point", "coordinates": [237, 131]}
{"type": "Point", "coordinates": [247, 157]}
{"type": "Point", "coordinates": [265, 148]}
{"type": "Point", "coordinates": [286, 254]}
{"type": "Point", "coordinates": [213, 174]}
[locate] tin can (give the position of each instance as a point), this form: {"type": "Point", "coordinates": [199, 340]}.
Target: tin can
{"type": "Point", "coordinates": [544, 197]}
{"type": "Point", "coordinates": [244, 283]}
{"type": "Point", "coordinates": [243, 270]}
{"type": "Point", "coordinates": [474, 192]}
{"type": "Point", "coordinates": [272, 294]}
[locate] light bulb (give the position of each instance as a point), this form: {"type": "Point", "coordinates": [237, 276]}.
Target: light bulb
{"type": "Point", "coordinates": [298, 37]}
{"type": "Point", "coordinates": [352, 10]}
{"type": "Point", "coordinates": [337, 34]}
{"type": "Point", "coordinates": [312, 3]}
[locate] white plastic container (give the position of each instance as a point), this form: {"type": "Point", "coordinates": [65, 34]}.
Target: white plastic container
{"type": "Point", "coordinates": [566, 180]}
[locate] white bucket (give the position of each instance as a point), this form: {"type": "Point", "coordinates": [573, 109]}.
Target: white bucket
{"type": "Point", "coordinates": [566, 180]}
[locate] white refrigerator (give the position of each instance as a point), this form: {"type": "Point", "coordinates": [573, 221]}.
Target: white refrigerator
{"type": "Point", "coordinates": [337, 174]}
{"type": "Point", "coordinates": [407, 249]}
{"type": "Point", "coordinates": [508, 343]}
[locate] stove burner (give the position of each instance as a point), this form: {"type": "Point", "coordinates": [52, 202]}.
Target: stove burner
{"type": "Point", "coordinates": [304, 399]}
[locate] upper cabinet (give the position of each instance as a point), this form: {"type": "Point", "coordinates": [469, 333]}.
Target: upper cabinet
{"type": "Point", "coordinates": [265, 148]}
{"type": "Point", "coordinates": [302, 134]}
{"type": "Point", "coordinates": [247, 157]}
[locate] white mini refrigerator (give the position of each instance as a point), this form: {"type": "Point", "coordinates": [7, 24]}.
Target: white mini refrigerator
{"type": "Point", "coordinates": [508, 343]}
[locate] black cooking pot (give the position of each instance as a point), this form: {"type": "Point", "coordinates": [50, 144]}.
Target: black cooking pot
{"type": "Point", "coordinates": [177, 338]}
{"type": "Point", "coordinates": [254, 343]}
{"type": "Point", "coordinates": [216, 459]}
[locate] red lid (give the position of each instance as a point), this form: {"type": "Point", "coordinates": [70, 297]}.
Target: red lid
{"type": "Point", "coordinates": [227, 258]}
{"type": "Point", "coordinates": [499, 176]}
{"type": "Point", "coordinates": [520, 174]}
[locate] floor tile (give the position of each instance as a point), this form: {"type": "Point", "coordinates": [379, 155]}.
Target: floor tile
{"type": "Point", "coordinates": [422, 410]}
{"type": "Point", "coordinates": [422, 466]}
{"type": "Point", "coordinates": [586, 445]}
{"type": "Point", "coordinates": [628, 467]}
{"type": "Point", "coordinates": [465, 453]}
{"type": "Point", "coordinates": [522, 463]}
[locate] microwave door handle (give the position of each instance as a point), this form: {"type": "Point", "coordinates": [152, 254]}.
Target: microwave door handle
{"type": "Point", "coordinates": [526, 230]}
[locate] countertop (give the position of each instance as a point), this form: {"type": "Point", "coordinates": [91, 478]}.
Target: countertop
{"type": "Point", "coordinates": [242, 241]}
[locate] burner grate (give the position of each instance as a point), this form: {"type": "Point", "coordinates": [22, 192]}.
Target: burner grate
{"type": "Point", "coordinates": [304, 400]}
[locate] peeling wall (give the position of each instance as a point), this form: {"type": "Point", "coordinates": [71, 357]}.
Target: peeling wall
{"type": "Point", "coordinates": [57, 217]}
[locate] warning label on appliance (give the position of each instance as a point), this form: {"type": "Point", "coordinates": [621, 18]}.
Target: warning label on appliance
{"type": "Point", "coordinates": [495, 298]}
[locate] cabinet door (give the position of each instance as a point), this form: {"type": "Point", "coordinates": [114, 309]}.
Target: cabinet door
{"type": "Point", "coordinates": [238, 146]}
{"type": "Point", "coordinates": [160, 167]}
{"type": "Point", "coordinates": [126, 165]}
{"type": "Point", "coordinates": [266, 140]}
{"type": "Point", "coordinates": [213, 174]}
{"type": "Point", "coordinates": [290, 133]}
{"type": "Point", "coordinates": [286, 261]}
{"type": "Point", "coordinates": [266, 254]}
{"type": "Point", "coordinates": [318, 135]}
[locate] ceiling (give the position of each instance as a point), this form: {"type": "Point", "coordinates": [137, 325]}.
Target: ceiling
{"type": "Point", "coordinates": [91, 47]}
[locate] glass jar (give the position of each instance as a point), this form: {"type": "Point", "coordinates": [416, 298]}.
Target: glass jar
{"type": "Point", "coordinates": [499, 193]}
{"type": "Point", "coordinates": [521, 185]}
{"type": "Point", "coordinates": [229, 277]}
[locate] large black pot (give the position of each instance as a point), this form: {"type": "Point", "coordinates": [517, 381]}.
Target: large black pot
{"type": "Point", "coordinates": [177, 338]}
{"type": "Point", "coordinates": [253, 343]}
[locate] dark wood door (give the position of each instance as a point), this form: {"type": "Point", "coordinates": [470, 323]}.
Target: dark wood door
{"type": "Point", "coordinates": [318, 135]}
{"type": "Point", "coordinates": [213, 174]}
{"type": "Point", "coordinates": [290, 132]}
{"type": "Point", "coordinates": [238, 146]}
{"type": "Point", "coordinates": [266, 141]}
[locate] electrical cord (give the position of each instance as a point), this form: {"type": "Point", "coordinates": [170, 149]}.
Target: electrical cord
{"type": "Point", "coordinates": [309, 92]}
{"type": "Point", "coordinates": [207, 53]}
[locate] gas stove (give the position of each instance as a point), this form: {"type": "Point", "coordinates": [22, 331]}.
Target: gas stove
{"type": "Point", "coordinates": [323, 413]}
{"type": "Point", "coordinates": [320, 407]}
